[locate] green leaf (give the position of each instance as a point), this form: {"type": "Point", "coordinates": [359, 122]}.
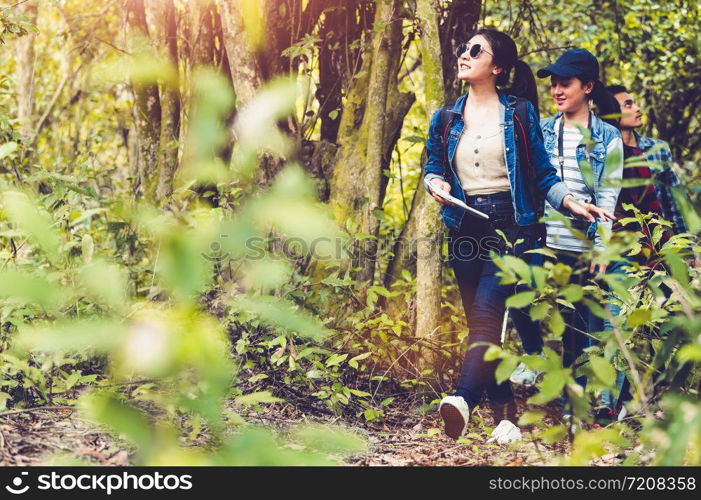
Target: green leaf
{"type": "Point", "coordinates": [256, 398]}
{"type": "Point", "coordinates": [414, 139]}
{"type": "Point", "coordinates": [330, 439]}
{"type": "Point", "coordinates": [23, 288]}
{"type": "Point", "coordinates": [35, 222]}
{"type": "Point", "coordinates": [335, 359]}
{"type": "Point", "coordinates": [283, 314]}
{"type": "Point", "coordinates": [561, 273]}
{"type": "Point", "coordinates": [572, 293]}
{"type": "Point", "coordinates": [550, 387]}
{"type": "Point", "coordinates": [7, 149]}
{"type": "Point", "coordinates": [556, 323]}
{"type": "Point", "coordinates": [542, 251]}
{"type": "Point", "coordinates": [539, 311]}
{"type": "Point", "coordinates": [4, 398]}
{"type": "Point", "coordinates": [505, 368]}
{"type": "Point", "coordinates": [554, 434]}
{"type": "Point", "coordinates": [353, 362]}
{"type": "Point", "coordinates": [520, 300]}
{"type": "Point", "coordinates": [603, 370]}
{"type": "Point", "coordinates": [359, 393]}
{"type": "Point", "coordinates": [639, 317]}
{"type": "Point", "coordinates": [517, 266]}
{"type": "Point", "coordinates": [531, 417]}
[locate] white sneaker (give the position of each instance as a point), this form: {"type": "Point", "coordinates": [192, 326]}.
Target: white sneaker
{"type": "Point", "coordinates": [622, 414]}
{"type": "Point", "coordinates": [455, 414]}
{"type": "Point", "coordinates": [523, 375]}
{"type": "Point", "coordinates": [504, 433]}
{"type": "Point", "coordinates": [569, 423]}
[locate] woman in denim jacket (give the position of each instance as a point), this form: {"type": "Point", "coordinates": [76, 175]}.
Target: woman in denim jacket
{"type": "Point", "coordinates": [592, 171]}
{"type": "Point", "coordinates": [483, 170]}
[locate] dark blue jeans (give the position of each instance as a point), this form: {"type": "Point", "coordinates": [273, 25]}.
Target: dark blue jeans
{"type": "Point", "coordinates": [483, 297]}
{"type": "Point", "coordinates": [580, 323]}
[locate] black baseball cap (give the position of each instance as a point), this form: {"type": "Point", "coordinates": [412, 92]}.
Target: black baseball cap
{"type": "Point", "coordinates": [574, 62]}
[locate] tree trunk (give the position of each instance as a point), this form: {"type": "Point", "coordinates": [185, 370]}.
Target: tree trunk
{"type": "Point", "coordinates": [245, 71]}
{"type": "Point", "coordinates": [24, 72]}
{"type": "Point", "coordinates": [147, 105]}
{"type": "Point", "coordinates": [429, 228]}
{"type": "Point", "coordinates": [246, 76]}
{"type": "Point", "coordinates": [170, 101]}
{"type": "Point", "coordinates": [332, 68]}
{"type": "Point", "coordinates": [375, 123]}
{"type": "Point", "coordinates": [356, 185]}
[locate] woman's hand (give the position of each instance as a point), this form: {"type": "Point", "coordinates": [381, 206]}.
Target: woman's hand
{"type": "Point", "coordinates": [443, 186]}
{"type": "Point", "coordinates": [586, 210]}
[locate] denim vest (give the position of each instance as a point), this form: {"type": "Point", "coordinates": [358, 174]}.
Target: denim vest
{"type": "Point", "coordinates": [602, 134]}
{"type": "Point", "coordinates": [546, 178]}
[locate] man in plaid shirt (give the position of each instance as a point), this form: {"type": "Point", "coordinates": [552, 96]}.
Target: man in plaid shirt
{"type": "Point", "coordinates": [656, 198]}
{"type": "Point", "coordinates": [655, 162]}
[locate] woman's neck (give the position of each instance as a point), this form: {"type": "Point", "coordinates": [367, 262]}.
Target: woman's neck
{"type": "Point", "coordinates": [482, 94]}
{"type": "Point", "coordinates": [581, 117]}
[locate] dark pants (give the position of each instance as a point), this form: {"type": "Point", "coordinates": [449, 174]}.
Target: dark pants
{"type": "Point", "coordinates": [577, 336]}
{"type": "Point", "coordinates": [483, 296]}
{"type": "Point", "coordinates": [580, 322]}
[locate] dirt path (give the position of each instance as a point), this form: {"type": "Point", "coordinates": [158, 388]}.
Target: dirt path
{"type": "Point", "coordinates": [41, 437]}
{"type": "Point", "coordinates": [405, 439]}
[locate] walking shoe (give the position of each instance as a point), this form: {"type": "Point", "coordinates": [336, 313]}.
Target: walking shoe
{"type": "Point", "coordinates": [622, 414]}
{"type": "Point", "coordinates": [523, 375]}
{"type": "Point", "coordinates": [569, 423]}
{"type": "Point", "coordinates": [504, 433]}
{"type": "Point", "coordinates": [455, 414]}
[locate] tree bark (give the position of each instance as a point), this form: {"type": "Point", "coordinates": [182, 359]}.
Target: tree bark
{"type": "Point", "coordinates": [375, 124]}
{"type": "Point", "coordinates": [147, 105]}
{"type": "Point", "coordinates": [245, 70]}
{"type": "Point", "coordinates": [24, 72]}
{"type": "Point", "coordinates": [170, 101]}
{"type": "Point", "coordinates": [429, 228]}
{"type": "Point", "coordinates": [356, 185]}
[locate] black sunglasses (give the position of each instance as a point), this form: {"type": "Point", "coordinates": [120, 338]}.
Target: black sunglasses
{"type": "Point", "coordinates": [474, 50]}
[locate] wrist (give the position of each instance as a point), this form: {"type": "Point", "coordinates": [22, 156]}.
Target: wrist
{"type": "Point", "coordinates": [568, 200]}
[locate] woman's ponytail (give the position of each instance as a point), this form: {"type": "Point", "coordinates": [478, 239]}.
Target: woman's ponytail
{"type": "Point", "coordinates": [523, 84]}
{"type": "Point", "coordinates": [605, 103]}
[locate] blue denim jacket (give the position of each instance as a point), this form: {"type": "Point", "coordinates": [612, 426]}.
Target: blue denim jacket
{"type": "Point", "coordinates": [547, 180]}
{"type": "Point", "coordinates": [602, 135]}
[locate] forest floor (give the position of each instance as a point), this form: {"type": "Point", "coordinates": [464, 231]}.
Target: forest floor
{"type": "Point", "coordinates": [404, 438]}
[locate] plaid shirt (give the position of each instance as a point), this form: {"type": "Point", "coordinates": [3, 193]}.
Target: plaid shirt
{"type": "Point", "coordinates": [660, 160]}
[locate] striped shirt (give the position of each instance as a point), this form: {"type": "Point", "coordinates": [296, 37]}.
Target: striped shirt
{"type": "Point", "coordinates": [558, 236]}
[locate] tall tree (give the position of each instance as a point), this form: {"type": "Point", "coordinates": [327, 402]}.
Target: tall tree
{"type": "Point", "coordinates": [147, 103]}
{"type": "Point", "coordinates": [429, 229]}
{"type": "Point", "coordinates": [24, 72]}
{"type": "Point", "coordinates": [357, 178]}
{"type": "Point", "coordinates": [169, 98]}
